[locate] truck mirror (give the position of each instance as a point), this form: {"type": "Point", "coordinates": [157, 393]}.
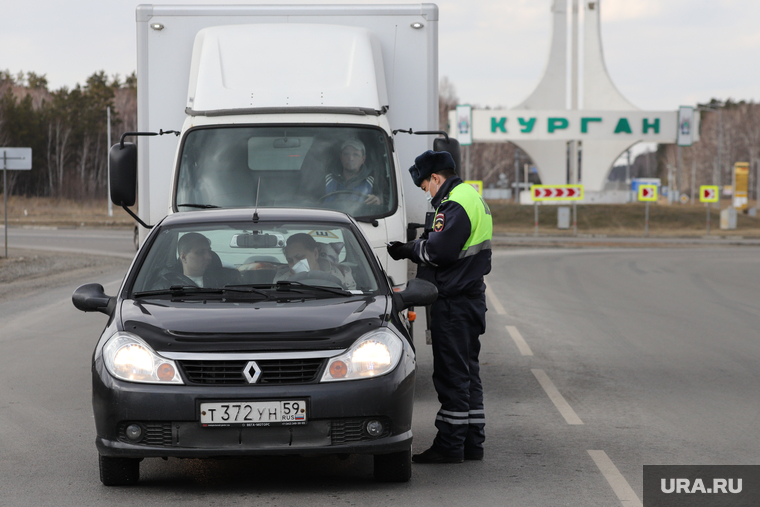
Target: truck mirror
{"type": "Point", "coordinates": [452, 146]}
{"type": "Point", "coordinates": [123, 173]}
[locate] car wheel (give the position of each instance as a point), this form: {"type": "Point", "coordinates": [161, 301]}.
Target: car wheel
{"type": "Point", "coordinates": [394, 467]}
{"type": "Point", "coordinates": [119, 471]}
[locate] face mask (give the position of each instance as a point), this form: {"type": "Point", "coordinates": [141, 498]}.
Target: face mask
{"type": "Point", "coordinates": [428, 195]}
{"type": "Point", "coordinates": [301, 266]}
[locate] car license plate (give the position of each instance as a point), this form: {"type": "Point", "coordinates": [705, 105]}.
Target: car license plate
{"type": "Point", "coordinates": [254, 413]}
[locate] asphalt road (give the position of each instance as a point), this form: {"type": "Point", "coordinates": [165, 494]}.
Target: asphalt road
{"type": "Point", "coordinates": [113, 242]}
{"type": "Point", "coordinates": [645, 356]}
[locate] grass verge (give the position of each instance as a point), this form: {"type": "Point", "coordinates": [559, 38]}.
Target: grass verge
{"type": "Point", "coordinates": [594, 219]}
{"type": "Point", "coordinates": [620, 220]}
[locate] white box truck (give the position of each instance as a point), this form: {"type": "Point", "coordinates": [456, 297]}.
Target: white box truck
{"type": "Point", "coordinates": [270, 105]}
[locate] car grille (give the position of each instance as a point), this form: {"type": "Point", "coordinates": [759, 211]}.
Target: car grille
{"type": "Point", "coordinates": [343, 431]}
{"type": "Point", "coordinates": [156, 434]}
{"type": "Point", "coordinates": [273, 371]}
{"type": "Point", "coordinates": [346, 431]}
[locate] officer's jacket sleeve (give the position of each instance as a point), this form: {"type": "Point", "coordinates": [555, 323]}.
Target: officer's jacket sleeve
{"type": "Point", "coordinates": [445, 242]}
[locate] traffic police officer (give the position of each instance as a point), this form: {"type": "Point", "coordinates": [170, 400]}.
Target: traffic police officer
{"type": "Point", "coordinates": [454, 255]}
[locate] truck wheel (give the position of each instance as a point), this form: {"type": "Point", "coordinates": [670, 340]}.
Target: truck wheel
{"type": "Point", "coordinates": [119, 471]}
{"type": "Point", "coordinates": [394, 467]}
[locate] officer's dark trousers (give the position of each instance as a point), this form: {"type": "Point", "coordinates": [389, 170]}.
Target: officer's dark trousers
{"type": "Point", "coordinates": [456, 326]}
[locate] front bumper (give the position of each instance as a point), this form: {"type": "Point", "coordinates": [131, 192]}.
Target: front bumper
{"type": "Point", "coordinates": [338, 412]}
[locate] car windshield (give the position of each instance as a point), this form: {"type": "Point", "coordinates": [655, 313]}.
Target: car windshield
{"type": "Point", "coordinates": [348, 169]}
{"type": "Point", "coordinates": [323, 260]}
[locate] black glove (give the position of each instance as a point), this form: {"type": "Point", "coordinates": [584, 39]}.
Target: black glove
{"type": "Point", "coordinates": [398, 250]}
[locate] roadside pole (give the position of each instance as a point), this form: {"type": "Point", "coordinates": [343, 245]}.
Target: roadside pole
{"type": "Point", "coordinates": [646, 220]}
{"type": "Point", "coordinates": [5, 199]}
{"type": "Point", "coordinates": [108, 159]}
{"type": "Point", "coordinates": [685, 137]}
{"type": "Point", "coordinates": [535, 217]}
{"type": "Point", "coordinates": [575, 219]}
{"type": "Point", "coordinates": [13, 158]}
{"type": "Point", "coordinates": [647, 194]}
{"type": "Point", "coordinates": [709, 194]}
{"type": "Point", "coordinates": [517, 176]}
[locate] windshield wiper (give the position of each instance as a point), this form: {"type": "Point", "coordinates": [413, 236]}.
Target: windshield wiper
{"type": "Point", "coordinates": [248, 289]}
{"type": "Point", "coordinates": [290, 284]}
{"type": "Point", "coordinates": [201, 206]}
{"type": "Point", "coordinates": [184, 290]}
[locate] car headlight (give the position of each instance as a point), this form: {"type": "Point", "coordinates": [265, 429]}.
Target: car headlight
{"type": "Point", "coordinates": [128, 357]}
{"type": "Point", "coordinates": [376, 353]}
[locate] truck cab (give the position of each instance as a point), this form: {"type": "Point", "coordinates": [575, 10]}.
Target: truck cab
{"type": "Point", "coordinates": [266, 100]}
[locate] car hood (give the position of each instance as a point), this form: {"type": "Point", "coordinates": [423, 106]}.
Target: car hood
{"type": "Point", "coordinates": [215, 326]}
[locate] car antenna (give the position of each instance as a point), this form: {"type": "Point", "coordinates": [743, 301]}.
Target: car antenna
{"type": "Point", "coordinates": [256, 209]}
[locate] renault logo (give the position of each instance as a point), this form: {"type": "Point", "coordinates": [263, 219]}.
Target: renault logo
{"type": "Point", "coordinates": [252, 372]}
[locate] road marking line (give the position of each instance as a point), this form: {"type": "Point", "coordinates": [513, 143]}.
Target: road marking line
{"type": "Point", "coordinates": [563, 406]}
{"type": "Point", "coordinates": [615, 479]}
{"type": "Point", "coordinates": [495, 301]}
{"type": "Point", "coordinates": [519, 341]}
{"type": "Point", "coordinates": [74, 250]}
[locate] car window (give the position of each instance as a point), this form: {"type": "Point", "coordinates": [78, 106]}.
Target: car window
{"type": "Point", "coordinates": [348, 169]}
{"type": "Point", "coordinates": [214, 256]}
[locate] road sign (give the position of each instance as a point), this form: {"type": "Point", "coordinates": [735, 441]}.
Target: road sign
{"type": "Point", "coordinates": [464, 125]}
{"type": "Point", "coordinates": [16, 159]}
{"type": "Point", "coordinates": [741, 185]}
{"type": "Point", "coordinates": [685, 126]}
{"type": "Point", "coordinates": [556, 192]}
{"type": "Point", "coordinates": [708, 193]}
{"type": "Point", "coordinates": [648, 193]}
{"type": "Point", "coordinates": [476, 184]}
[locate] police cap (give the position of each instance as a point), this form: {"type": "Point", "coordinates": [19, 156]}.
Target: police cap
{"type": "Point", "coordinates": [430, 162]}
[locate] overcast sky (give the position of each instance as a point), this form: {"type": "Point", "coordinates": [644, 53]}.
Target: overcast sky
{"type": "Point", "coordinates": [660, 53]}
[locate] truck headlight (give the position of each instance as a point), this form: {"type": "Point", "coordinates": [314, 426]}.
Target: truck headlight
{"type": "Point", "coordinates": [128, 357]}
{"type": "Point", "coordinates": [376, 353]}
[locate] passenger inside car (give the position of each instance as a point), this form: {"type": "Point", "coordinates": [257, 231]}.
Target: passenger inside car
{"type": "Point", "coordinates": [302, 253]}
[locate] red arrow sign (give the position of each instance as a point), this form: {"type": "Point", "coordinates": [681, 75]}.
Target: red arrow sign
{"type": "Point", "coordinates": [708, 193]}
{"type": "Point", "coordinates": [646, 192]}
{"type": "Point", "coordinates": [558, 192]}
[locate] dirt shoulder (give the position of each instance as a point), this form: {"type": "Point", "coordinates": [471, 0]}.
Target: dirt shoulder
{"type": "Point", "coordinates": [26, 271]}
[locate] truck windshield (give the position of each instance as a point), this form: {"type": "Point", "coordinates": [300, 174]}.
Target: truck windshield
{"type": "Point", "coordinates": [347, 169]}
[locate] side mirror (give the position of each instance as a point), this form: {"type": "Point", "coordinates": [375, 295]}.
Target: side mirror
{"type": "Point", "coordinates": [417, 293]}
{"type": "Point", "coordinates": [452, 146]}
{"type": "Point", "coordinates": [91, 297]}
{"type": "Point", "coordinates": [122, 167]}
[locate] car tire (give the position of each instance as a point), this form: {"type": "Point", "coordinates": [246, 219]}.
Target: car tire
{"type": "Point", "coordinates": [119, 471]}
{"type": "Point", "coordinates": [394, 467]}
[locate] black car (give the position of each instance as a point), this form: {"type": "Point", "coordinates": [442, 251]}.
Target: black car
{"type": "Point", "coordinates": [239, 333]}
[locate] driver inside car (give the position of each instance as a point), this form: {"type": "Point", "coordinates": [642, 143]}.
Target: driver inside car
{"type": "Point", "coordinates": [304, 261]}
{"type": "Point", "coordinates": [354, 177]}
{"type": "Point", "coordinates": [197, 264]}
